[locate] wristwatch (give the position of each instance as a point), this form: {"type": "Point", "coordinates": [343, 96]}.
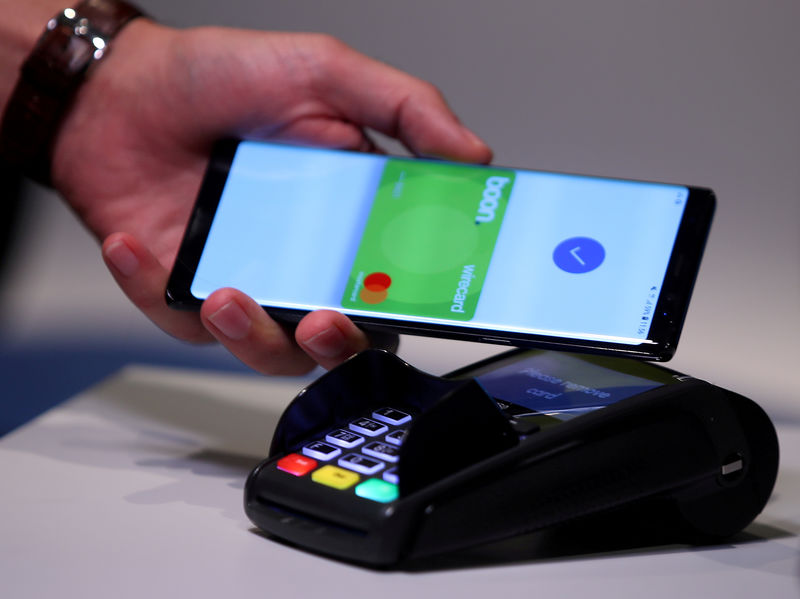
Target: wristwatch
{"type": "Point", "coordinates": [73, 41]}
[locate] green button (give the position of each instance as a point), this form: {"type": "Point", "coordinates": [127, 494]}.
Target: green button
{"type": "Point", "coordinates": [377, 490]}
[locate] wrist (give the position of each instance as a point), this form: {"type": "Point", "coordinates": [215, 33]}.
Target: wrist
{"type": "Point", "coordinates": [107, 111]}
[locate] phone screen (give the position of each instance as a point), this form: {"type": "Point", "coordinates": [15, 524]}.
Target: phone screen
{"type": "Point", "coordinates": [423, 241]}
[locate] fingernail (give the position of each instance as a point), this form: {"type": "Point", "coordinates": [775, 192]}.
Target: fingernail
{"type": "Point", "coordinates": [123, 259]}
{"type": "Point", "coordinates": [232, 321]}
{"type": "Point", "coordinates": [329, 343]}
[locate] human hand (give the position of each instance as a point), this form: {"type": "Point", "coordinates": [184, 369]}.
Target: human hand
{"type": "Point", "coordinates": [131, 154]}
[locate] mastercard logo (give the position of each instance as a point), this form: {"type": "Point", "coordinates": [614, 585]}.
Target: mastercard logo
{"type": "Point", "coordinates": [376, 288]}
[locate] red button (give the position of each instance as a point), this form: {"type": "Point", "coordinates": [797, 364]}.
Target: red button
{"type": "Point", "coordinates": [296, 464]}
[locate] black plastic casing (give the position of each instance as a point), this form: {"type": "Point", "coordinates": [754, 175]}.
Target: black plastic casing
{"type": "Point", "coordinates": [708, 455]}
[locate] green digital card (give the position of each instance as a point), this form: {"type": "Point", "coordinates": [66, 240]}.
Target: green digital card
{"type": "Point", "coordinates": [429, 238]}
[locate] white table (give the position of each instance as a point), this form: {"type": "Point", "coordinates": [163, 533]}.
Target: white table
{"type": "Point", "coordinates": [134, 489]}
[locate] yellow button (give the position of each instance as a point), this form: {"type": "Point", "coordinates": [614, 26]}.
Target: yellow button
{"type": "Point", "coordinates": [335, 477]}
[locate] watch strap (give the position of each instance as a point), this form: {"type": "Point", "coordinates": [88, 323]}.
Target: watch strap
{"type": "Point", "coordinates": [73, 41]}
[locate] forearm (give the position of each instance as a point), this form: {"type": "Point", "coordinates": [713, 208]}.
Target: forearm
{"type": "Point", "coordinates": [22, 24]}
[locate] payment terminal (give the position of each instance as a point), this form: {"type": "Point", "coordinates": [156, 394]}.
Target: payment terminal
{"type": "Point", "coordinates": [377, 462]}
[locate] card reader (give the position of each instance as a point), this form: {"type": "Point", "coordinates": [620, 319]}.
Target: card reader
{"type": "Point", "coordinates": [377, 462]}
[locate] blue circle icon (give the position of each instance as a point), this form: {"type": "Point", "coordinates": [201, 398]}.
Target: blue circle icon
{"type": "Point", "coordinates": [579, 254]}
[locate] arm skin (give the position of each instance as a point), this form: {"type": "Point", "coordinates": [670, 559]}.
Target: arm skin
{"type": "Point", "coordinates": [131, 153]}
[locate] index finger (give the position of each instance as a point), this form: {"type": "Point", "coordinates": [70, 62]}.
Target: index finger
{"type": "Point", "coordinates": [374, 94]}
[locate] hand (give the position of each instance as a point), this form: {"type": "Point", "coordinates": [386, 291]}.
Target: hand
{"type": "Point", "coordinates": [132, 151]}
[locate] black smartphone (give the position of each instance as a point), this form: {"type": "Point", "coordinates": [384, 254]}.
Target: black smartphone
{"type": "Point", "coordinates": [481, 253]}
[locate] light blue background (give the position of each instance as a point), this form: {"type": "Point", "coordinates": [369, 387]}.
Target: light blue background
{"type": "Point", "coordinates": [635, 222]}
{"type": "Point", "coordinates": [288, 225]}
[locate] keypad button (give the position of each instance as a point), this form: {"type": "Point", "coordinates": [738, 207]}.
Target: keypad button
{"type": "Point", "coordinates": [377, 490]}
{"type": "Point", "coordinates": [296, 464]}
{"type": "Point", "coordinates": [321, 451]}
{"type": "Point", "coordinates": [333, 476]}
{"type": "Point", "coordinates": [391, 416]}
{"type": "Point", "coordinates": [360, 463]}
{"type": "Point", "coordinates": [390, 475]}
{"type": "Point", "coordinates": [396, 437]}
{"type": "Point", "coordinates": [344, 438]}
{"type": "Point", "coordinates": [368, 427]}
{"type": "Point", "coordinates": [382, 451]}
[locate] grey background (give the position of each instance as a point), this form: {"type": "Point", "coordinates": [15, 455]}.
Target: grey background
{"type": "Point", "coordinates": [703, 93]}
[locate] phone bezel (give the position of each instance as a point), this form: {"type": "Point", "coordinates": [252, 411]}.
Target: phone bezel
{"type": "Point", "coordinates": [668, 316]}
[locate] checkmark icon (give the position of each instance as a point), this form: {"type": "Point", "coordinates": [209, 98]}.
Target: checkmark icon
{"type": "Point", "coordinates": [579, 255]}
{"type": "Point", "coordinates": [574, 251]}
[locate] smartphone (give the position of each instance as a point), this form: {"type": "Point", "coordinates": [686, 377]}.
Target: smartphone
{"type": "Point", "coordinates": [427, 247]}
